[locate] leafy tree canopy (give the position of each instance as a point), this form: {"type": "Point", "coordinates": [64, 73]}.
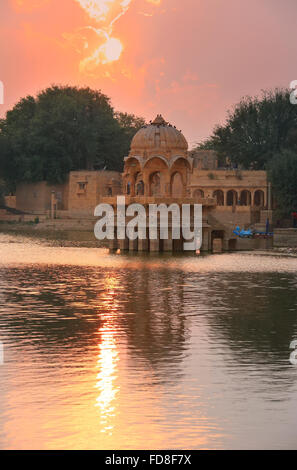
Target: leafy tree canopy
{"type": "Point", "coordinates": [256, 129]}
{"type": "Point", "coordinates": [282, 170]}
{"type": "Point", "coordinates": [64, 128]}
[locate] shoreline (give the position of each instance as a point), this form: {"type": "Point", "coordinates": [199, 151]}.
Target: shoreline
{"type": "Point", "coordinates": [86, 239]}
{"type": "Point", "coordinates": [58, 237]}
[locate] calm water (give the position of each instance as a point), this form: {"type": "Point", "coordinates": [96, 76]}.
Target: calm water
{"type": "Point", "coordinates": [128, 352]}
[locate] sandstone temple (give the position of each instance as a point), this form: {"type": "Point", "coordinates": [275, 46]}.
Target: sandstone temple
{"type": "Point", "coordinates": [160, 169]}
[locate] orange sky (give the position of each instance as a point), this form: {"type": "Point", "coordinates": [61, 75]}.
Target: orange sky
{"type": "Point", "coordinates": [190, 60]}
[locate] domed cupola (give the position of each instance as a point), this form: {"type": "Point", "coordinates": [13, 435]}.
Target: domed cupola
{"type": "Point", "coordinates": [158, 138]}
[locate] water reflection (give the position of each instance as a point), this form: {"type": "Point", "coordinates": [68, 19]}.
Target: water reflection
{"type": "Point", "coordinates": [151, 354]}
{"type": "Point", "coordinates": [108, 355]}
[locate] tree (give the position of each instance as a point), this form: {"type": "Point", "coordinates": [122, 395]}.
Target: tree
{"type": "Point", "coordinates": [130, 124]}
{"type": "Point", "coordinates": [282, 172]}
{"type": "Point", "coordinates": [64, 128]}
{"type": "Point", "coordinates": [256, 129]}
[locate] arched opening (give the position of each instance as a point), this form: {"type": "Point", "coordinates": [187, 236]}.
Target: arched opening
{"type": "Point", "coordinates": [198, 194]}
{"type": "Point", "coordinates": [259, 198]}
{"type": "Point", "coordinates": [176, 185]}
{"type": "Point", "coordinates": [140, 188]}
{"type": "Point", "coordinates": [155, 184]}
{"type": "Point", "coordinates": [131, 170]}
{"type": "Point", "coordinates": [219, 196]}
{"type": "Point", "coordinates": [156, 162]}
{"type": "Point", "coordinates": [231, 198]}
{"type": "Point", "coordinates": [139, 185]}
{"type": "Point", "coordinates": [245, 198]}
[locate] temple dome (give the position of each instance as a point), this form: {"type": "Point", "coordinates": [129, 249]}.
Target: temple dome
{"type": "Point", "coordinates": [159, 137]}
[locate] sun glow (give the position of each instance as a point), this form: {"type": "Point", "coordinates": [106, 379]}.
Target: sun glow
{"type": "Point", "coordinates": [112, 49]}
{"type": "Point", "coordinates": [105, 13]}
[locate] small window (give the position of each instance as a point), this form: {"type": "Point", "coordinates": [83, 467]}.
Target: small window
{"type": "Point", "coordinates": [109, 191]}
{"type": "Point", "coordinates": [81, 187]}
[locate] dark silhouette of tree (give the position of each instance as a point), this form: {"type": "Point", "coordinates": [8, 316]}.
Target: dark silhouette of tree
{"type": "Point", "coordinates": [256, 129]}
{"type": "Point", "coordinates": [64, 128]}
{"type": "Point", "coordinates": [282, 170]}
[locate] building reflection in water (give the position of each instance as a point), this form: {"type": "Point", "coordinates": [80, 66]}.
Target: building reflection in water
{"type": "Point", "coordinates": [156, 327]}
{"type": "Point", "coordinates": [110, 334]}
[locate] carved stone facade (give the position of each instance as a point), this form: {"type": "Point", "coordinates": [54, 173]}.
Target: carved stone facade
{"type": "Point", "coordinates": [160, 169]}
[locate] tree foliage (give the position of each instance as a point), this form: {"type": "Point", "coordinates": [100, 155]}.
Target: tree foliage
{"type": "Point", "coordinates": [64, 128]}
{"type": "Point", "coordinates": [282, 170]}
{"type": "Point", "coordinates": [256, 130]}
{"type": "Point", "coordinates": [129, 124]}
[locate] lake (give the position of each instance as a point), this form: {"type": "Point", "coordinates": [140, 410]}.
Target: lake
{"type": "Point", "coordinates": [106, 351]}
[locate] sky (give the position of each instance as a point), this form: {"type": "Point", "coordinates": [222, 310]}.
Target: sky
{"type": "Point", "coordinates": [190, 60]}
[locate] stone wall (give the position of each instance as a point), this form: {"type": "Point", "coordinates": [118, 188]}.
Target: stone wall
{"type": "Point", "coordinates": [285, 237]}
{"type": "Point", "coordinates": [10, 201]}
{"type": "Point", "coordinates": [80, 193]}
{"type": "Point", "coordinates": [246, 244]}
{"type": "Point", "coordinates": [36, 197]}
{"type": "Point", "coordinates": [230, 217]}
{"type": "Point", "coordinates": [204, 159]}
{"type": "Point", "coordinates": [87, 187]}
{"type": "Point", "coordinates": [225, 180]}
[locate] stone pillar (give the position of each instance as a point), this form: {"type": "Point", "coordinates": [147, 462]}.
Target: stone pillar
{"type": "Point", "coordinates": [225, 197]}
{"type": "Point", "coordinates": [269, 196]}
{"type": "Point", "coordinates": [133, 245]}
{"type": "Point", "coordinates": [168, 244]}
{"type": "Point", "coordinates": [113, 245]}
{"type": "Point", "coordinates": [143, 245]}
{"type": "Point", "coordinates": [53, 205]}
{"type": "Point", "coordinates": [155, 245]}
{"type": "Point", "coordinates": [146, 183]}
{"type": "Point", "coordinates": [206, 240]}
{"type": "Point", "coordinates": [253, 198]}
{"type": "Point", "coordinates": [124, 244]}
{"type": "Point", "coordinates": [167, 189]}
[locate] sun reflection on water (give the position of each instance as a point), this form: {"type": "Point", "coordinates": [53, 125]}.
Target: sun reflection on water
{"type": "Point", "coordinates": [108, 357]}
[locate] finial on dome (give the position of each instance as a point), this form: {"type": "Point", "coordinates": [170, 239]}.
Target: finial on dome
{"type": "Point", "coordinates": [159, 121]}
